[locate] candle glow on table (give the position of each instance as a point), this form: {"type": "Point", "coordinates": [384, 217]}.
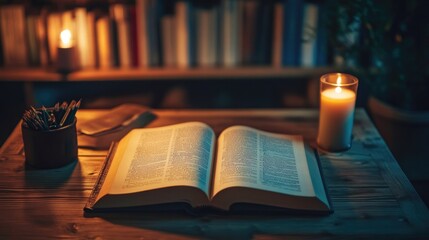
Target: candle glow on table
{"type": "Point", "coordinates": [337, 104]}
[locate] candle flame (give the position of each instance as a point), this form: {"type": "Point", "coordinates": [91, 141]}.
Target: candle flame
{"type": "Point", "coordinates": [339, 79]}
{"type": "Point", "coordinates": [338, 89]}
{"type": "Point", "coordinates": [65, 36]}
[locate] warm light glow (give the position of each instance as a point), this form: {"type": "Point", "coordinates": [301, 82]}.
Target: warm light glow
{"type": "Point", "coordinates": [338, 89]}
{"type": "Point", "coordinates": [339, 79]}
{"type": "Point", "coordinates": [66, 38]}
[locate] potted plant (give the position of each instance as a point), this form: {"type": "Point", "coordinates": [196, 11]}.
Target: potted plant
{"type": "Point", "coordinates": [388, 41]}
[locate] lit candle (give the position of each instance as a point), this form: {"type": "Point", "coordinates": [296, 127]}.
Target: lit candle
{"type": "Point", "coordinates": [66, 39]}
{"type": "Point", "coordinates": [66, 59]}
{"type": "Point", "coordinates": [337, 104]}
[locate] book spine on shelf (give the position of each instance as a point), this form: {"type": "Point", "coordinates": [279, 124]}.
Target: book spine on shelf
{"type": "Point", "coordinates": [104, 42]}
{"type": "Point", "coordinates": [92, 53]}
{"type": "Point", "coordinates": [114, 46]}
{"type": "Point", "coordinates": [82, 40]}
{"type": "Point", "coordinates": [183, 34]}
{"type": "Point", "coordinates": [42, 36]}
{"type": "Point", "coordinates": [54, 29]}
{"type": "Point", "coordinates": [32, 39]}
{"type": "Point", "coordinates": [261, 54]}
{"type": "Point", "coordinates": [13, 36]}
{"type": "Point", "coordinates": [153, 17]}
{"type": "Point", "coordinates": [133, 37]}
{"type": "Point", "coordinates": [121, 18]}
{"type": "Point", "coordinates": [231, 21]}
{"type": "Point", "coordinates": [250, 22]}
{"type": "Point", "coordinates": [214, 46]}
{"type": "Point", "coordinates": [168, 44]}
{"type": "Point", "coordinates": [203, 34]}
{"type": "Point", "coordinates": [309, 35]}
{"type": "Point", "coordinates": [322, 37]}
{"type": "Point", "coordinates": [277, 35]}
{"type": "Point", "coordinates": [142, 33]}
{"type": "Point", "coordinates": [292, 26]}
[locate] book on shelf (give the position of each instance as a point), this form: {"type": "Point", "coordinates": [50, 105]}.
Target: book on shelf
{"type": "Point", "coordinates": [230, 35]}
{"type": "Point", "coordinates": [104, 42]}
{"type": "Point", "coordinates": [12, 25]}
{"type": "Point", "coordinates": [292, 28]}
{"type": "Point", "coordinates": [168, 33]}
{"type": "Point", "coordinates": [32, 39]}
{"type": "Point", "coordinates": [207, 18]}
{"type": "Point", "coordinates": [184, 33]}
{"type": "Point", "coordinates": [176, 167]}
{"type": "Point", "coordinates": [309, 35]}
{"type": "Point", "coordinates": [120, 14]}
{"type": "Point", "coordinates": [277, 35]}
{"type": "Point", "coordinates": [53, 27]}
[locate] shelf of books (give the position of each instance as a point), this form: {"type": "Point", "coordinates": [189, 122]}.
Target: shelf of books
{"type": "Point", "coordinates": [164, 39]}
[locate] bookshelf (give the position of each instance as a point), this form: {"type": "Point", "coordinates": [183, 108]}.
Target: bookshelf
{"type": "Point", "coordinates": [182, 40]}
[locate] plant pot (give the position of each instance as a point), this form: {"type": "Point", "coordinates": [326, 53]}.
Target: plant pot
{"type": "Point", "coordinates": [407, 135]}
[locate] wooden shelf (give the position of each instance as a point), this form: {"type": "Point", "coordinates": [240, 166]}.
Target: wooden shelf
{"type": "Point", "coordinates": [29, 75]}
{"type": "Point", "coordinates": [238, 73]}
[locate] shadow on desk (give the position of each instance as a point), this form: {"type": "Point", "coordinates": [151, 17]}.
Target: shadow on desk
{"type": "Point", "coordinates": [211, 226]}
{"type": "Point", "coordinates": [50, 178]}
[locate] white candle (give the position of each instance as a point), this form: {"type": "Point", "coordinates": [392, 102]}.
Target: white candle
{"type": "Point", "coordinates": [337, 104]}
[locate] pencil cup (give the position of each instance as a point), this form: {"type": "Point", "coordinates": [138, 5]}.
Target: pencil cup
{"type": "Point", "coordinates": [50, 148]}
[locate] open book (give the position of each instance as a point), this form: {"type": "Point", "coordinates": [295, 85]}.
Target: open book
{"type": "Point", "coordinates": [177, 164]}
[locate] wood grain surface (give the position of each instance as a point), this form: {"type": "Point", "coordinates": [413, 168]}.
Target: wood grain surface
{"type": "Point", "coordinates": [371, 196]}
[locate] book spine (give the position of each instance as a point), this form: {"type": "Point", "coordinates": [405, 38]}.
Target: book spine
{"type": "Point", "coordinates": [43, 39]}
{"type": "Point", "coordinates": [153, 17]}
{"type": "Point", "coordinates": [192, 30]}
{"type": "Point", "coordinates": [250, 23]}
{"type": "Point", "coordinates": [121, 18]}
{"type": "Point", "coordinates": [134, 37]}
{"type": "Point", "coordinates": [203, 37]}
{"type": "Point", "coordinates": [54, 29]}
{"type": "Point", "coordinates": [114, 46]}
{"type": "Point", "coordinates": [104, 42]}
{"type": "Point", "coordinates": [277, 35]}
{"type": "Point", "coordinates": [13, 36]}
{"type": "Point", "coordinates": [322, 37]}
{"type": "Point", "coordinates": [91, 54]}
{"type": "Point", "coordinates": [82, 37]}
{"type": "Point", "coordinates": [142, 33]}
{"type": "Point", "coordinates": [214, 41]}
{"type": "Point", "coordinates": [262, 50]}
{"type": "Point", "coordinates": [309, 35]}
{"type": "Point", "coordinates": [32, 40]}
{"type": "Point", "coordinates": [291, 32]}
{"type": "Point", "coordinates": [168, 43]}
{"type": "Point", "coordinates": [182, 48]}
{"type": "Point", "coordinates": [101, 177]}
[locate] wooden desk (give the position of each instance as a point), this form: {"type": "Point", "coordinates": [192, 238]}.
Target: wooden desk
{"type": "Point", "coordinates": [371, 195]}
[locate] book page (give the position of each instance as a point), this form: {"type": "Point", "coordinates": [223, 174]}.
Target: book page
{"type": "Point", "coordinates": [251, 158]}
{"type": "Point", "coordinates": [178, 155]}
